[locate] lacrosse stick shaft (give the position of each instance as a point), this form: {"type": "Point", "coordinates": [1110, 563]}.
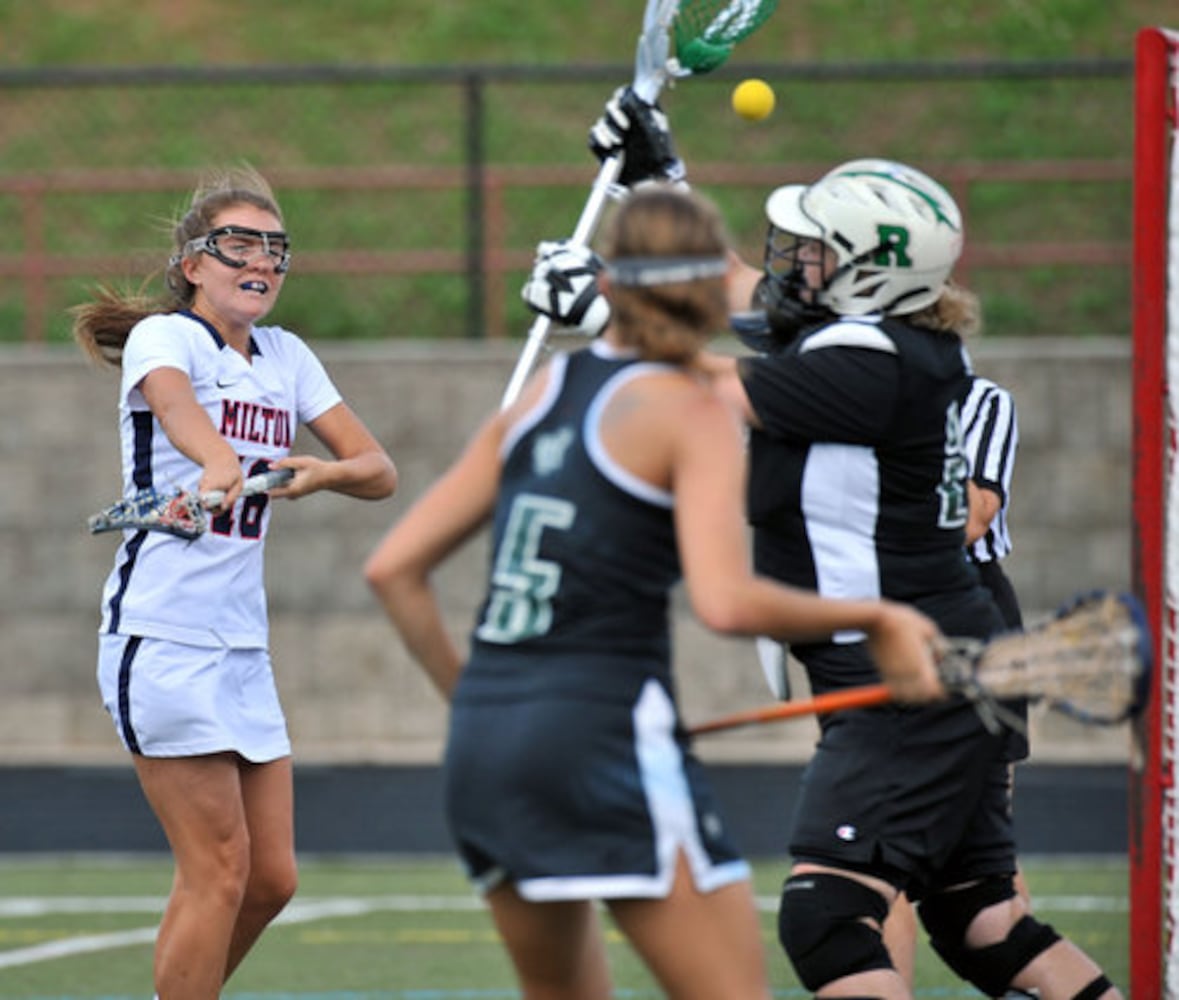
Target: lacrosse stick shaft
{"type": "Point", "coordinates": [714, 22]}
{"type": "Point", "coordinates": [253, 486]}
{"type": "Point", "coordinates": [650, 59]}
{"type": "Point", "coordinates": [1092, 661]}
{"type": "Point", "coordinates": [833, 701]}
{"type": "Point", "coordinates": [591, 214]}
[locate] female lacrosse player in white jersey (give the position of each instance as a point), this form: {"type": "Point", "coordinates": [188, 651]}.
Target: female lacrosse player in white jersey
{"type": "Point", "coordinates": [568, 774]}
{"type": "Point", "coordinates": [207, 398]}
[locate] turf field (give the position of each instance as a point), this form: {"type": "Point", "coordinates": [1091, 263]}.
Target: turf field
{"type": "Point", "coordinates": [400, 929]}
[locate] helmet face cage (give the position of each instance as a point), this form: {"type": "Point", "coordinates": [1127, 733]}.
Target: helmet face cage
{"type": "Point", "coordinates": [783, 264]}
{"type": "Point", "coordinates": [791, 302]}
{"type": "Point", "coordinates": [236, 246]}
{"type": "Point", "coordinates": [895, 232]}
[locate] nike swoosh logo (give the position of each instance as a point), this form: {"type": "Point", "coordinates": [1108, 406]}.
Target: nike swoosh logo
{"type": "Point", "coordinates": [225, 385]}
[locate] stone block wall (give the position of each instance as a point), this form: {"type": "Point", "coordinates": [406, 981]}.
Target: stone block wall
{"type": "Point", "coordinates": [350, 691]}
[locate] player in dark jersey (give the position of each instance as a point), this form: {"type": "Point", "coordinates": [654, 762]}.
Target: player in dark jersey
{"type": "Point", "coordinates": [569, 777]}
{"type": "Point", "coordinates": [858, 487]}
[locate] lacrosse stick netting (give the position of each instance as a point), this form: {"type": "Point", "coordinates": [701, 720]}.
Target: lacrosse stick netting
{"type": "Point", "coordinates": [1091, 662]}
{"type": "Point", "coordinates": [176, 512]}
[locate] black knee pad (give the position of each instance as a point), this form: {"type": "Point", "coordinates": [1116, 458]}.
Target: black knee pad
{"type": "Point", "coordinates": [946, 917]}
{"type": "Point", "coordinates": [821, 927]}
{"type": "Point", "coordinates": [1095, 989]}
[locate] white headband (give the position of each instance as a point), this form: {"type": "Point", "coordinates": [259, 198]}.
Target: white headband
{"type": "Point", "coordinates": [646, 271]}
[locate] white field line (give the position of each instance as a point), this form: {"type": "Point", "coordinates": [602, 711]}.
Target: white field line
{"type": "Point", "coordinates": [298, 912]}
{"type": "Point", "coordinates": [308, 910]}
{"type": "Point", "coordinates": [76, 946]}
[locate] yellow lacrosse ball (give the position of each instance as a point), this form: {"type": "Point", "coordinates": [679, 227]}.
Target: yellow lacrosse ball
{"type": "Point", "coordinates": [753, 100]}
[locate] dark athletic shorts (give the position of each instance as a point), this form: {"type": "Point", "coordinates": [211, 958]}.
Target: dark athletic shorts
{"type": "Point", "coordinates": [569, 797]}
{"type": "Point", "coordinates": [1000, 586]}
{"type": "Point", "coordinates": [919, 797]}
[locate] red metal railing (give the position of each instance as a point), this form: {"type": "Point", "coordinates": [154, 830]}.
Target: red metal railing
{"type": "Point", "coordinates": [34, 266]}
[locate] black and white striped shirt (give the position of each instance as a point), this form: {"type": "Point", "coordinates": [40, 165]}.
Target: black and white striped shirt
{"type": "Point", "coordinates": [991, 434]}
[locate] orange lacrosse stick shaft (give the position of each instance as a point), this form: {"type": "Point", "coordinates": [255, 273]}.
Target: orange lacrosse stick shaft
{"type": "Point", "coordinates": [833, 701]}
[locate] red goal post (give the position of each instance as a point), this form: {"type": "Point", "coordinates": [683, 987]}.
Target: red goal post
{"type": "Point", "coordinates": [1154, 827]}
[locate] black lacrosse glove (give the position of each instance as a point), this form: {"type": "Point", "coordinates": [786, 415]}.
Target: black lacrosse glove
{"type": "Point", "coordinates": [563, 285]}
{"type": "Point", "coordinates": [640, 132]}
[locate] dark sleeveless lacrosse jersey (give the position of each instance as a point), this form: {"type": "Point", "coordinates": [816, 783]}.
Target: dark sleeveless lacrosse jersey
{"type": "Point", "coordinates": [567, 770]}
{"type": "Point", "coordinates": [858, 472]}
{"type": "Point", "coordinates": [583, 553]}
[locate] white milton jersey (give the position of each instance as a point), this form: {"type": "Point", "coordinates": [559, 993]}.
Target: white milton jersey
{"type": "Point", "coordinates": [209, 591]}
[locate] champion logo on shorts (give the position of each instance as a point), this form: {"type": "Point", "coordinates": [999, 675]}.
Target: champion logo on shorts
{"type": "Point", "coordinates": [846, 832]}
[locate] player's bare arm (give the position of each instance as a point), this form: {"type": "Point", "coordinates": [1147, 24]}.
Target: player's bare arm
{"type": "Point", "coordinates": [361, 467]}
{"type": "Point", "coordinates": [170, 395]}
{"type": "Point", "coordinates": [984, 505]}
{"type": "Point", "coordinates": [903, 642]}
{"type": "Point", "coordinates": [399, 570]}
{"type": "Point", "coordinates": [743, 279]}
{"type": "Point", "coordinates": [723, 375]}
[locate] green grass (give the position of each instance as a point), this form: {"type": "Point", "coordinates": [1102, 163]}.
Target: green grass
{"type": "Point", "coordinates": [444, 31]}
{"type": "Point", "coordinates": [818, 122]}
{"type": "Point", "coordinates": [418, 932]}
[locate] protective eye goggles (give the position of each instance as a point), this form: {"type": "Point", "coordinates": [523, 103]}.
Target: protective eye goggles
{"type": "Point", "coordinates": [236, 246]}
{"type": "Point", "coordinates": [787, 259]}
{"type": "Point", "coordinates": [788, 252]}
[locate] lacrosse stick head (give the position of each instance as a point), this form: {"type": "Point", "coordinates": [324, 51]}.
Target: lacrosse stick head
{"type": "Point", "coordinates": [1092, 661]}
{"type": "Point", "coordinates": [705, 31]}
{"type": "Point", "coordinates": [175, 512]}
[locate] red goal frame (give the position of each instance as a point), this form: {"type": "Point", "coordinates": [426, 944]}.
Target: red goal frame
{"type": "Point", "coordinates": [1152, 848]}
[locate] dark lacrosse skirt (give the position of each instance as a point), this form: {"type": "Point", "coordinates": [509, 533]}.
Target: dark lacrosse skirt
{"type": "Point", "coordinates": [571, 798]}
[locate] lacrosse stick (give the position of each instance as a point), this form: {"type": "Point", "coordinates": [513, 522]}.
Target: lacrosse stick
{"type": "Point", "coordinates": [177, 512]}
{"type": "Point", "coordinates": [705, 32]}
{"type": "Point", "coordinates": [1092, 661]}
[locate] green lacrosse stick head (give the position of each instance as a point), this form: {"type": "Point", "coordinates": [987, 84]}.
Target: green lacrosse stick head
{"type": "Point", "coordinates": [705, 31]}
{"type": "Point", "coordinates": [699, 56]}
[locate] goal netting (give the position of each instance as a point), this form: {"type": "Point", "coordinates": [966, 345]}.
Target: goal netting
{"type": "Point", "coordinates": [1154, 807]}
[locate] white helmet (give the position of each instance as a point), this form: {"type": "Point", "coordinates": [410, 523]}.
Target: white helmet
{"type": "Point", "coordinates": [896, 234]}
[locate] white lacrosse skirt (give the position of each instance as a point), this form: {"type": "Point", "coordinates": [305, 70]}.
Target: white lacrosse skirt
{"type": "Point", "coordinates": [168, 699]}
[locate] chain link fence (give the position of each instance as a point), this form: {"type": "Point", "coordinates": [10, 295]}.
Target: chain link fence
{"type": "Point", "coordinates": [415, 196]}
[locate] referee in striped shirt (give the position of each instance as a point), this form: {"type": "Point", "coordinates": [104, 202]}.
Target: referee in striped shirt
{"type": "Point", "coordinates": [992, 436]}
{"type": "Point", "coordinates": [991, 433]}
